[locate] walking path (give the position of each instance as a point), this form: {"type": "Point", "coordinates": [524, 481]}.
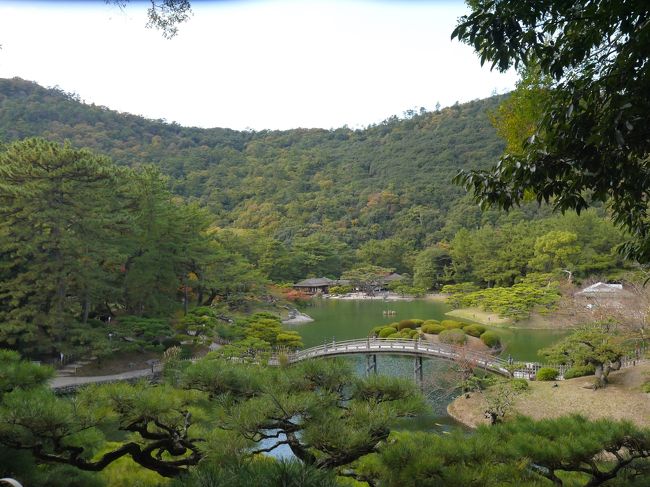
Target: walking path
{"type": "Point", "coordinates": [62, 382]}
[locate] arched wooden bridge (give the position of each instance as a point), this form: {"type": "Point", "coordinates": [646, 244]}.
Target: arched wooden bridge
{"type": "Point", "coordinates": [371, 347]}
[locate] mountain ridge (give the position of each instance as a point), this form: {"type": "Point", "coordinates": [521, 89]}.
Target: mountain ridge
{"type": "Point", "coordinates": [389, 180]}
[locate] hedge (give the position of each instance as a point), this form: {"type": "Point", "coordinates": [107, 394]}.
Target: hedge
{"type": "Point", "coordinates": [431, 322]}
{"type": "Point", "coordinates": [451, 324]}
{"type": "Point", "coordinates": [491, 339]}
{"type": "Point", "coordinates": [546, 373]}
{"type": "Point", "coordinates": [579, 371]}
{"type": "Point", "coordinates": [519, 384]}
{"type": "Point", "coordinates": [474, 330]}
{"type": "Point", "coordinates": [453, 336]}
{"type": "Point", "coordinates": [385, 332]}
{"type": "Point", "coordinates": [407, 324]}
{"type": "Point", "coordinates": [433, 329]}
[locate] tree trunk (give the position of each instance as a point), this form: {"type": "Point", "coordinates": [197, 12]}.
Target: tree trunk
{"type": "Point", "coordinates": [601, 376]}
{"type": "Point", "coordinates": [86, 309]}
{"type": "Point", "coordinates": [211, 298]}
{"type": "Point", "coordinates": [185, 298]}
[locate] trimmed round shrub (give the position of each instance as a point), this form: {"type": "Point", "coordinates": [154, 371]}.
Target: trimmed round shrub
{"type": "Point", "coordinates": [519, 384]}
{"type": "Point", "coordinates": [491, 339]}
{"type": "Point", "coordinates": [386, 331]}
{"type": "Point", "coordinates": [413, 333]}
{"type": "Point", "coordinates": [395, 336]}
{"type": "Point", "coordinates": [580, 371]}
{"type": "Point", "coordinates": [451, 324]}
{"type": "Point", "coordinates": [375, 331]}
{"type": "Point", "coordinates": [454, 336]}
{"type": "Point", "coordinates": [417, 322]}
{"type": "Point", "coordinates": [407, 324]}
{"type": "Point", "coordinates": [433, 329]}
{"type": "Point", "coordinates": [431, 322]}
{"type": "Point", "coordinates": [474, 330]}
{"type": "Point", "coordinates": [546, 373]}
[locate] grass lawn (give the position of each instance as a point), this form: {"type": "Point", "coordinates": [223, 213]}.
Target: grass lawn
{"type": "Point", "coordinates": [621, 399]}
{"type": "Point", "coordinates": [477, 315]}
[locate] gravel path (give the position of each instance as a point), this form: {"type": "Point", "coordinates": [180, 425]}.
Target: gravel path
{"type": "Point", "coordinates": [59, 382]}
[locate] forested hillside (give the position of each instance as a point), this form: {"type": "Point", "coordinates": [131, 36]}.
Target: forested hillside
{"type": "Point", "coordinates": [313, 202]}
{"type": "Point", "coordinates": [391, 179]}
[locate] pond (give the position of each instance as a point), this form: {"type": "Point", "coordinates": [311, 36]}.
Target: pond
{"type": "Point", "coordinates": [348, 319]}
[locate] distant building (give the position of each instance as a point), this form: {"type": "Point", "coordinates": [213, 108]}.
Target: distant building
{"type": "Point", "coordinates": [315, 285]}
{"type": "Point", "coordinates": [322, 285]}
{"type": "Point", "coordinates": [602, 289]}
{"type": "Point", "coordinates": [604, 295]}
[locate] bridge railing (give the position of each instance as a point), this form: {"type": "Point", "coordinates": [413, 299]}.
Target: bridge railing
{"type": "Point", "coordinates": [410, 347]}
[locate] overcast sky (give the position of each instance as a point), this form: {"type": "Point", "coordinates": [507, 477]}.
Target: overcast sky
{"type": "Point", "coordinates": [251, 64]}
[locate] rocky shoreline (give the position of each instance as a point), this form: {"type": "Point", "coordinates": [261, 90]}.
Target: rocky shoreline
{"type": "Point", "coordinates": [296, 317]}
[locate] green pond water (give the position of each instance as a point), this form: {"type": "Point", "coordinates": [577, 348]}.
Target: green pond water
{"type": "Point", "coordinates": [347, 319]}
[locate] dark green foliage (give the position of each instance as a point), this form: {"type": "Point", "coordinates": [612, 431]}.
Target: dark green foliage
{"type": "Point", "coordinates": [259, 473]}
{"type": "Point", "coordinates": [81, 238]}
{"type": "Point", "coordinates": [537, 291]}
{"type": "Point", "coordinates": [474, 330]}
{"type": "Point", "coordinates": [454, 336]}
{"type": "Point", "coordinates": [145, 329]}
{"type": "Point", "coordinates": [597, 345]}
{"type": "Point", "coordinates": [546, 373]}
{"type": "Point", "coordinates": [17, 372]}
{"type": "Point", "coordinates": [520, 452]}
{"type": "Point", "coordinates": [491, 339]}
{"type": "Point", "coordinates": [356, 187]}
{"type": "Point", "coordinates": [519, 384]}
{"type": "Point", "coordinates": [590, 141]}
{"type": "Point", "coordinates": [579, 371]}
{"type": "Point", "coordinates": [432, 268]}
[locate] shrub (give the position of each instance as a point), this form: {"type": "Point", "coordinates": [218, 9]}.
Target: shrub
{"type": "Point", "coordinates": [375, 331]}
{"type": "Point", "coordinates": [95, 323]}
{"type": "Point", "coordinates": [451, 324]}
{"type": "Point", "coordinates": [395, 336]}
{"type": "Point", "coordinates": [413, 333]}
{"type": "Point", "coordinates": [386, 331]}
{"type": "Point", "coordinates": [579, 371]}
{"type": "Point", "coordinates": [431, 322]}
{"type": "Point", "coordinates": [519, 385]}
{"type": "Point", "coordinates": [433, 329]}
{"type": "Point", "coordinates": [454, 336]}
{"type": "Point", "coordinates": [491, 339]}
{"type": "Point", "coordinates": [474, 330]}
{"type": "Point", "coordinates": [546, 373]}
{"type": "Point", "coordinates": [407, 324]}
{"type": "Point", "coordinates": [417, 322]}
{"type": "Point", "coordinates": [646, 387]}
{"type": "Point", "coordinates": [341, 289]}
